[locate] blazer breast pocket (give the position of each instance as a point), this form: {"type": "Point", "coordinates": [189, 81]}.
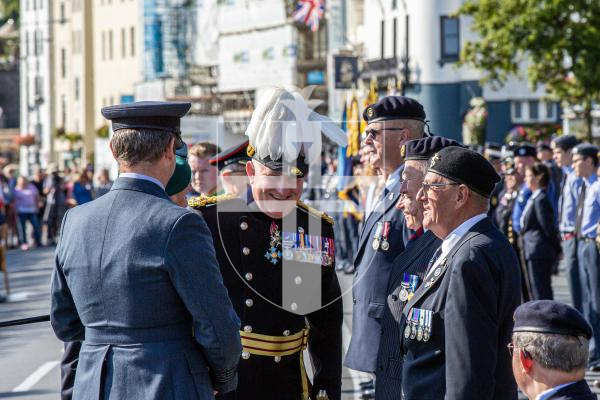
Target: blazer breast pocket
{"type": "Point", "coordinates": [375, 310]}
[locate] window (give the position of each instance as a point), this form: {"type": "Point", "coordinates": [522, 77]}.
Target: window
{"type": "Point", "coordinates": [550, 110]}
{"type": "Point", "coordinates": [35, 43]}
{"type": "Point", "coordinates": [62, 13]}
{"type": "Point", "coordinates": [518, 112]}
{"type": "Point", "coordinates": [132, 39]}
{"type": "Point", "coordinates": [382, 39]}
{"type": "Point", "coordinates": [110, 45]}
{"type": "Point", "coordinates": [103, 45]}
{"type": "Point", "coordinates": [450, 29]}
{"type": "Point", "coordinates": [77, 88]}
{"type": "Point", "coordinates": [63, 62]}
{"type": "Point", "coordinates": [534, 110]}
{"type": "Point", "coordinates": [26, 43]}
{"type": "Point", "coordinates": [63, 108]}
{"type": "Point", "coordinates": [123, 43]}
{"type": "Point", "coordinates": [395, 37]}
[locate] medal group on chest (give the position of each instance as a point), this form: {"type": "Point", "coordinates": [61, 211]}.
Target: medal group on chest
{"type": "Point", "coordinates": [299, 246]}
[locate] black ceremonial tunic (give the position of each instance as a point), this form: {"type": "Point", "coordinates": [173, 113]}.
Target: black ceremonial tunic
{"type": "Point", "coordinates": [251, 264]}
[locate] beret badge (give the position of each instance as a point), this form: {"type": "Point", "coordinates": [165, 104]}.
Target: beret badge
{"type": "Point", "coordinates": [403, 151]}
{"type": "Point", "coordinates": [250, 150]}
{"type": "Point", "coordinates": [370, 112]}
{"type": "Point", "coordinates": [434, 159]}
{"type": "Point", "coordinates": [295, 171]}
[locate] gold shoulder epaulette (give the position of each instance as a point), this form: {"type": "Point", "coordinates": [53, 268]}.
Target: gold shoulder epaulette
{"type": "Point", "coordinates": [315, 212]}
{"type": "Point", "coordinates": [203, 201]}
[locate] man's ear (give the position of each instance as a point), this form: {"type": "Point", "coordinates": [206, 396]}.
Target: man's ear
{"type": "Point", "coordinates": [250, 171]}
{"type": "Point", "coordinates": [110, 146]}
{"type": "Point", "coordinates": [525, 360]}
{"type": "Point", "coordinates": [463, 194]}
{"type": "Point", "coordinates": [170, 151]}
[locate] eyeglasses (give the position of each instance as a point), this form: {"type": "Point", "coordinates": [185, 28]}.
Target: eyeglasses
{"type": "Point", "coordinates": [511, 349]}
{"type": "Point", "coordinates": [372, 133]}
{"type": "Point", "coordinates": [429, 186]}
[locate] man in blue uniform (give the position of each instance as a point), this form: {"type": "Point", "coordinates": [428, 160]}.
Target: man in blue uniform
{"type": "Point", "coordinates": [391, 123]}
{"type": "Point", "coordinates": [409, 266]}
{"type": "Point", "coordinates": [567, 207]}
{"type": "Point", "coordinates": [277, 259]}
{"type": "Point", "coordinates": [585, 164]}
{"type": "Point", "coordinates": [136, 278]}
{"type": "Point", "coordinates": [549, 351]}
{"type": "Point", "coordinates": [459, 321]}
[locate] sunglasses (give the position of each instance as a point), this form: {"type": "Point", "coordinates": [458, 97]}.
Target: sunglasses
{"type": "Point", "coordinates": [430, 186]}
{"type": "Point", "coordinates": [372, 133]}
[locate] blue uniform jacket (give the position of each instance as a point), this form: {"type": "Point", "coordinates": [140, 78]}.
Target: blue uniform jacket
{"type": "Point", "coordinates": [137, 280]}
{"type": "Point", "coordinates": [370, 282]}
{"type": "Point", "coordinates": [540, 236]}
{"type": "Point", "coordinates": [576, 391]}
{"type": "Point", "coordinates": [472, 302]}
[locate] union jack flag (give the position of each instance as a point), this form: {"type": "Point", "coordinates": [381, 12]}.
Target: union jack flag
{"type": "Point", "coordinates": [309, 12]}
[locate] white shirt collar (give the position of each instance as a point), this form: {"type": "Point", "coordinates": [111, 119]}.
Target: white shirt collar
{"type": "Point", "coordinates": [459, 232]}
{"type": "Point", "coordinates": [143, 177]}
{"type": "Point", "coordinates": [551, 391]}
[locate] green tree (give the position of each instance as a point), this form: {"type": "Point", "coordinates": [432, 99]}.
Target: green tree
{"type": "Point", "coordinates": [558, 40]}
{"type": "Point", "coordinates": [9, 9]}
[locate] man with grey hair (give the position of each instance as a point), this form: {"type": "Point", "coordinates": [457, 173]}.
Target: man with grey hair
{"type": "Point", "coordinates": [549, 351]}
{"type": "Point", "coordinates": [136, 277]}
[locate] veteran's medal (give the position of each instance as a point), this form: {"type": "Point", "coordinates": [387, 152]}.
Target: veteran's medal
{"type": "Point", "coordinates": [403, 295]}
{"type": "Point", "coordinates": [427, 330]}
{"type": "Point", "coordinates": [421, 325]}
{"type": "Point", "coordinates": [377, 235]}
{"type": "Point", "coordinates": [415, 319]}
{"type": "Point", "coordinates": [385, 245]}
{"type": "Point", "coordinates": [408, 322]}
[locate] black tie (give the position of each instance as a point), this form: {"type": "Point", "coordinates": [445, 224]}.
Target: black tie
{"type": "Point", "coordinates": [580, 205]}
{"type": "Point", "coordinates": [436, 255]}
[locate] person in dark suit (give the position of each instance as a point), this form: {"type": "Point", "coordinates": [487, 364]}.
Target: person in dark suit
{"type": "Point", "coordinates": [549, 350]}
{"type": "Point", "coordinates": [391, 123]}
{"type": "Point", "coordinates": [541, 243]}
{"type": "Point", "coordinates": [146, 299]}
{"type": "Point", "coordinates": [277, 259]}
{"type": "Point", "coordinates": [459, 321]}
{"type": "Point", "coordinates": [409, 266]}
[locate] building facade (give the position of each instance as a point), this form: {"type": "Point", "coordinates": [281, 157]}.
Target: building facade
{"type": "Point", "coordinates": [35, 83]}
{"type": "Point", "coordinates": [418, 43]}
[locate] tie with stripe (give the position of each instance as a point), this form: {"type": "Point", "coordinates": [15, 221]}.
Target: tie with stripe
{"type": "Point", "coordinates": [435, 257]}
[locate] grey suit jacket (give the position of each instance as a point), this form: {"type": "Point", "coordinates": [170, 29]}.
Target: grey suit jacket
{"type": "Point", "coordinates": [370, 282]}
{"type": "Point", "coordinates": [137, 280]}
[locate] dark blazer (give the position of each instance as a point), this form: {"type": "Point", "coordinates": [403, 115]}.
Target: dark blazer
{"type": "Point", "coordinates": [473, 300]}
{"type": "Point", "coordinates": [413, 261]}
{"type": "Point", "coordinates": [540, 234]}
{"type": "Point", "coordinates": [372, 272]}
{"type": "Point", "coordinates": [136, 279]}
{"type": "Point", "coordinates": [576, 391]}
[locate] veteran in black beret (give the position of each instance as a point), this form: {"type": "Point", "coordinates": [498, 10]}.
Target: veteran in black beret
{"type": "Point", "coordinates": [136, 278]}
{"type": "Point", "coordinates": [409, 266]}
{"type": "Point", "coordinates": [391, 122]}
{"type": "Point", "coordinates": [278, 259]}
{"type": "Point", "coordinates": [456, 326]}
{"type": "Point", "coordinates": [549, 347]}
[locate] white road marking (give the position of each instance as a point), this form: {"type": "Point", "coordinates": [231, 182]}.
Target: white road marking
{"type": "Point", "coordinates": [34, 378]}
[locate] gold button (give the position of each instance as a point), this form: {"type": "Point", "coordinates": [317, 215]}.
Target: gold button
{"type": "Point", "coordinates": [249, 276]}
{"type": "Point", "coordinates": [249, 302]}
{"type": "Point", "coordinates": [244, 226]}
{"type": "Point", "coordinates": [247, 328]}
{"type": "Point", "coordinates": [245, 355]}
{"type": "Point", "coordinates": [286, 332]}
{"type": "Point", "coordinates": [246, 251]}
{"type": "Point", "coordinates": [277, 358]}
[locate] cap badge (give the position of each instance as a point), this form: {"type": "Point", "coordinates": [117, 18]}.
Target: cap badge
{"type": "Point", "coordinates": [370, 112]}
{"type": "Point", "coordinates": [435, 159]}
{"type": "Point", "coordinates": [295, 171]}
{"type": "Point", "coordinates": [522, 152]}
{"type": "Point", "coordinates": [403, 151]}
{"type": "Point", "coordinates": [250, 150]}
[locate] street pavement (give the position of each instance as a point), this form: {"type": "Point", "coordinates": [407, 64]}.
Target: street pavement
{"type": "Point", "coordinates": [30, 354]}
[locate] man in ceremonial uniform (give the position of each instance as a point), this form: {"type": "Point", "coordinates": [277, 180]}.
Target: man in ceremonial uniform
{"type": "Point", "coordinates": [457, 325]}
{"type": "Point", "coordinates": [567, 208]}
{"type": "Point", "coordinates": [585, 165]}
{"type": "Point", "coordinates": [277, 259]}
{"type": "Point", "coordinates": [392, 122]}
{"type": "Point", "coordinates": [549, 351]}
{"type": "Point", "coordinates": [146, 298]}
{"type": "Point", "coordinates": [409, 266]}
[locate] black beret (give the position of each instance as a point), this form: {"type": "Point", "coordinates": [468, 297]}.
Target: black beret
{"type": "Point", "coordinates": [548, 316]}
{"type": "Point", "coordinates": [467, 167]}
{"type": "Point", "coordinates": [425, 148]}
{"type": "Point", "coordinates": [565, 142]}
{"type": "Point", "coordinates": [236, 154]}
{"type": "Point", "coordinates": [543, 146]}
{"type": "Point", "coordinates": [159, 115]}
{"type": "Point", "coordinates": [525, 150]}
{"type": "Point", "coordinates": [586, 150]}
{"type": "Point", "coordinates": [394, 107]}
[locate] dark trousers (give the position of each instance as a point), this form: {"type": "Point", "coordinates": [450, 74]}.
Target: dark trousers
{"type": "Point", "coordinates": [589, 267]}
{"type": "Point", "coordinates": [68, 367]}
{"type": "Point", "coordinates": [540, 276]}
{"type": "Point", "coordinates": [569, 249]}
{"type": "Point", "coordinates": [35, 223]}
